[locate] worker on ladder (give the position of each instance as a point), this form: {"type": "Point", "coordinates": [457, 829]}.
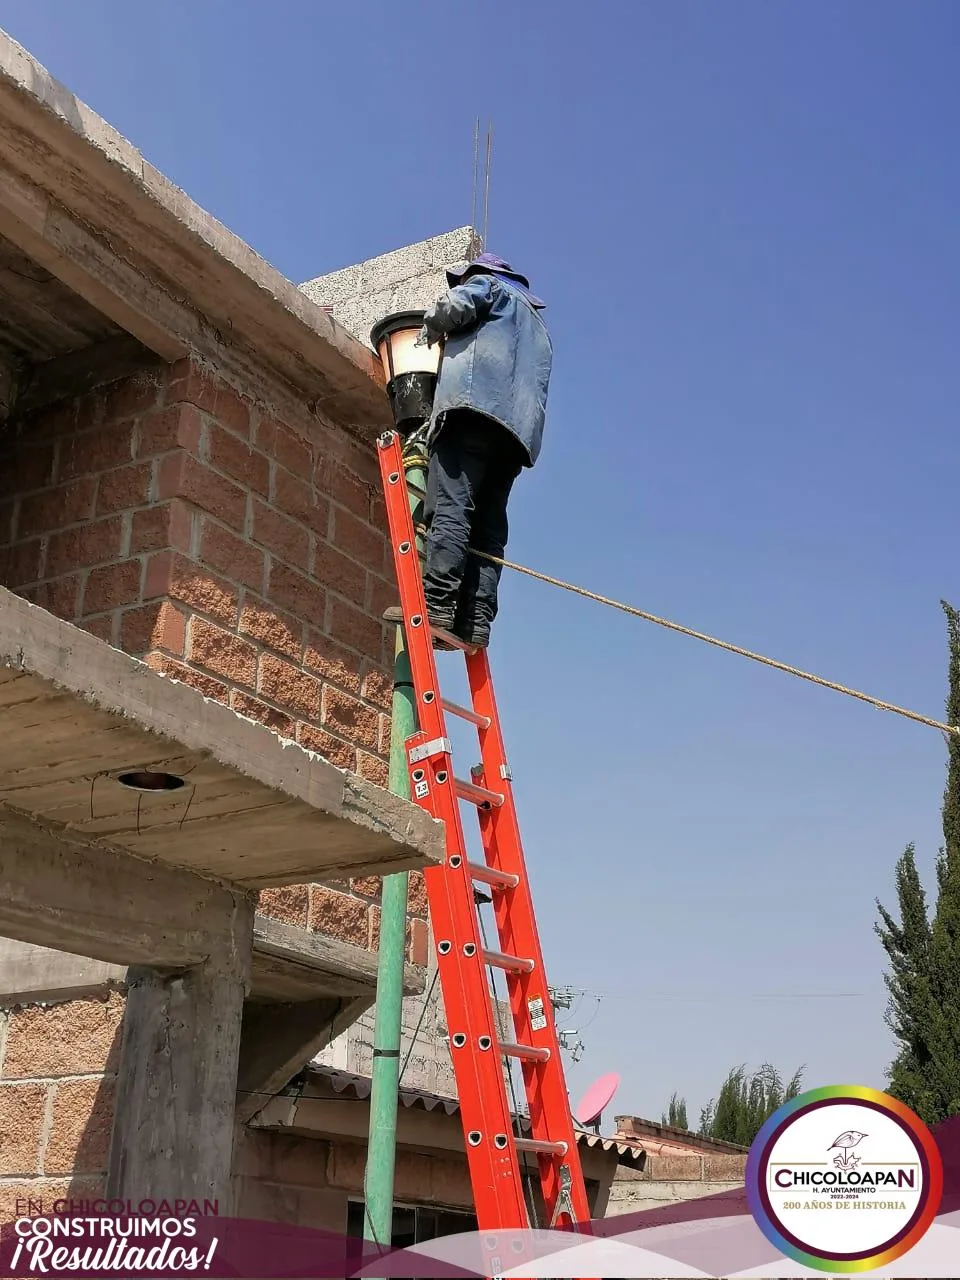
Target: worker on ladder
{"type": "Point", "coordinates": [486, 426]}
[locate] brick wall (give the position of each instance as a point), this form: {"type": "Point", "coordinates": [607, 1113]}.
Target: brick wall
{"type": "Point", "coordinates": [669, 1179]}
{"type": "Point", "coordinates": [57, 1070]}
{"type": "Point", "coordinates": [240, 553]}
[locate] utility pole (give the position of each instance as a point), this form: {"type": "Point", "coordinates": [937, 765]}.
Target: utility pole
{"type": "Point", "coordinates": [385, 1084]}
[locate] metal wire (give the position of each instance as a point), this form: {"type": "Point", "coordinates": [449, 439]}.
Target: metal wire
{"type": "Point", "coordinates": [879, 703]}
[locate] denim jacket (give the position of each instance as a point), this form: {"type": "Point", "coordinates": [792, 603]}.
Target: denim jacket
{"type": "Point", "coordinates": [496, 359]}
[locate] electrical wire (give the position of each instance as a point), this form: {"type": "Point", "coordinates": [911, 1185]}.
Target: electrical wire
{"type": "Point", "coordinates": [947, 729]}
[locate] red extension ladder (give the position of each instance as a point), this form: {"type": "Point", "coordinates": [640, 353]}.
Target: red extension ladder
{"type": "Point", "coordinates": [495, 1153]}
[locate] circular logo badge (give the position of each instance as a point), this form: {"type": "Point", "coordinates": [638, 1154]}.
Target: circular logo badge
{"type": "Point", "coordinates": [844, 1179]}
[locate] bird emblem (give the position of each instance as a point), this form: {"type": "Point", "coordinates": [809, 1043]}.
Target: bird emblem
{"type": "Point", "coordinates": [846, 1142]}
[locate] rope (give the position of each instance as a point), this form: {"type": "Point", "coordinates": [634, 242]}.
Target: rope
{"type": "Point", "coordinates": [948, 729]}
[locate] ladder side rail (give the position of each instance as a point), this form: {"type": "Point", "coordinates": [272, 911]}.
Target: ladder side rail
{"type": "Point", "coordinates": [484, 1107]}
{"type": "Point", "coordinates": [549, 1105]}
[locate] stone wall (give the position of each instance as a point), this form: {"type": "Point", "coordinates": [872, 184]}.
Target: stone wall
{"type": "Point", "coordinates": [57, 1070]}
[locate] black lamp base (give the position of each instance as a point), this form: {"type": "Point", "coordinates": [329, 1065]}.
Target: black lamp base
{"type": "Point", "coordinates": [411, 399]}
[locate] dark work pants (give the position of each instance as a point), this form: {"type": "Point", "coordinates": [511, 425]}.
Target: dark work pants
{"type": "Point", "coordinates": [473, 464]}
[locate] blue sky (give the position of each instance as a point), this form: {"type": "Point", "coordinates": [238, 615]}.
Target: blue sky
{"type": "Point", "coordinates": [743, 217]}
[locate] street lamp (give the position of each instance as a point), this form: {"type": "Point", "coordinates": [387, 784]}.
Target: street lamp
{"type": "Point", "coordinates": [411, 371]}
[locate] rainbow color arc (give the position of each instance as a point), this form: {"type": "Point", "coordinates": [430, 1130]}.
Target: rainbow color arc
{"type": "Point", "coordinates": [756, 1164]}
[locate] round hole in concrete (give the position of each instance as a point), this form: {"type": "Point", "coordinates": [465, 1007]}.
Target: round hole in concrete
{"type": "Point", "coordinates": [147, 780]}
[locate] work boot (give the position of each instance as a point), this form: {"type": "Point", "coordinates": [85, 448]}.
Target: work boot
{"type": "Point", "coordinates": [393, 613]}
{"type": "Point", "coordinates": [476, 635]}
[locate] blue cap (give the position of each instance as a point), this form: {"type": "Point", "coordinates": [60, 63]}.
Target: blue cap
{"type": "Point", "coordinates": [489, 262]}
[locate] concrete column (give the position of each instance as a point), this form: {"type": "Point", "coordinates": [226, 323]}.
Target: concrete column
{"type": "Point", "coordinates": [176, 1089]}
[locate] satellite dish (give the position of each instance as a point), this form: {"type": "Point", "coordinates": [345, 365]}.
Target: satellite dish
{"type": "Point", "coordinates": [591, 1106]}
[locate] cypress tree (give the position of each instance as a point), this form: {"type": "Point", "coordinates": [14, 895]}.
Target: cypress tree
{"type": "Point", "coordinates": [923, 978]}
{"type": "Point", "coordinates": [676, 1113]}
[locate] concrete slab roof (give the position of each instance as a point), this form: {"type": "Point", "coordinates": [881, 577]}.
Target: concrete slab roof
{"type": "Point", "coordinates": [255, 811]}
{"type": "Point", "coordinates": [80, 202]}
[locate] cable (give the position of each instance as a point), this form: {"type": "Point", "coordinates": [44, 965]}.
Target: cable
{"type": "Point", "coordinates": [416, 1030]}
{"type": "Point", "coordinates": [723, 644]}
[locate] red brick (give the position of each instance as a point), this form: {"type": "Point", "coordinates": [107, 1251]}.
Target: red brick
{"type": "Point", "coordinates": [190, 382]}
{"type": "Point", "coordinates": [123, 488]}
{"type": "Point", "coordinates": [79, 1037]}
{"type": "Point", "coordinates": [338, 915]}
{"type": "Point", "coordinates": [339, 572]}
{"type": "Point", "coordinates": [233, 556]}
{"type": "Point", "coordinates": [181, 476]}
{"type": "Point", "coordinates": [334, 480]}
{"type": "Point", "coordinates": [20, 564]}
{"type": "Point", "coordinates": [133, 395]}
{"type": "Point", "coordinates": [272, 628]}
{"type": "Point", "coordinates": [22, 1108]}
{"type": "Point", "coordinates": [150, 529]}
{"type": "Point", "coordinates": [378, 688]}
{"type": "Point", "coordinates": [87, 452]}
{"type": "Point", "coordinates": [332, 661]}
{"type": "Point", "coordinates": [360, 541]}
{"type": "Point", "coordinates": [285, 538]}
{"type": "Point", "coordinates": [416, 894]}
{"type": "Point", "coordinates": [179, 427]}
{"type": "Point", "coordinates": [368, 887]}
{"type": "Point", "coordinates": [111, 585]}
{"type": "Point", "coordinates": [56, 508]}
{"type": "Point", "coordinates": [419, 941]}
{"type": "Point", "coordinates": [296, 593]}
{"type": "Point", "coordinates": [289, 903]}
{"type": "Point", "coordinates": [153, 626]}
{"type": "Point", "coordinates": [229, 453]}
{"type": "Point", "coordinates": [174, 670]}
{"type": "Point", "coordinates": [381, 592]}
{"type": "Point", "coordinates": [373, 769]}
{"type": "Point", "coordinates": [288, 686]}
{"type": "Point", "coordinates": [82, 1121]}
{"type": "Point", "coordinates": [60, 596]}
{"type": "Point", "coordinates": [222, 652]}
{"type": "Point", "coordinates": [183, 521]}
{"type": "Point", "coordinates": [342, 754]}
{"type": "Point", "coordinates": [298, 499]}
{"type": "Point", "coordinates": [383, 738]}
{"type": "Point", "coordinates": [355, 628]}
{"type": "Point", "coordinates": [101, 626]}
{"type": "Point", "coordinates": [254, 709]}
{"type": "Point", "coordinates": [33, 464]}
{"type": "Point", "coordinates": [373, 922]}
{"type": "Point", "coordinates": [279, 442]}
{"type": "Point", "coordinates": [349, 717]}
{"type": "Point", "coordinates": [84, 546]}
{"type": "Point", "coordinates": [169, 573]}
{"type": "Point", "coordinates": [232, 410]}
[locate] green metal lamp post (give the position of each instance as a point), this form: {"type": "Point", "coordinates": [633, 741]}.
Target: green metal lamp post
{"type": "Point", "coordinates": [411, 373]}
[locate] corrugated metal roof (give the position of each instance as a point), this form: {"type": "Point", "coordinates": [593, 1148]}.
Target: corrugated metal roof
{"type": "Point", "coordinates": [359, 1087]}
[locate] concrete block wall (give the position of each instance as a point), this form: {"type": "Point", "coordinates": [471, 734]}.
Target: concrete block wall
{"type": "Point", "coordinates": [57, 1070]}
{"type": "Point", "coordinates": [410, 278]}
{"type": "Point", "coordinates": [669, 1179]}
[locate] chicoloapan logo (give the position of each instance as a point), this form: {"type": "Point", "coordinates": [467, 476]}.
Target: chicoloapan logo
{"type": "Point", "coordinates": [844, 1179]}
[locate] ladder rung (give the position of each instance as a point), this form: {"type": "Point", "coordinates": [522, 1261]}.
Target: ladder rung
{"type": "Point", "coordinates": [479, 796]}
{"type": "Point", "coordinates": [512, 964]}
{"type": "Point", "coordinates": [541, 1148]}
{"type": "Point", "coordinates": [453, 641]}
{"type": "Point", "coordinates": [465, 713]}
{"type": "Point", "coordinates": [525, 1052]}
{"type": "Point", "coordinates": [489, 875]}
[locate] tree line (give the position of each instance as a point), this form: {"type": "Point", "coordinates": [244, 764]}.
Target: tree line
{"type": "Point", "coordinates": [922, 944]}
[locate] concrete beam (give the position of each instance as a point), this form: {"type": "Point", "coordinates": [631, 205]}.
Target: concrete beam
{"type": "Point", "coordinates": [33, 975]}
{"type": "Point", "coordinates": [257, 810]}
{"type": "Point", "coordinates": [83, 202]}
{"type": "Point", "coordinates": [59, 890]}
{"type": "Point", "coordinates": [279, 1040]}
{"type": "Point", "coordinates": [173, 1130]}
{"type": "Point", "coordinates": [65, 377]}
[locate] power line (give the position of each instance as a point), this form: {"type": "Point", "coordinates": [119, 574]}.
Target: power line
{"type": "Point", "coordinates": [879, 703]}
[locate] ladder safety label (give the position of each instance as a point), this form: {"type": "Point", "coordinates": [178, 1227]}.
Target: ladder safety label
{"type": "Point", "coordinates": [421, 790]}
{"type": "Point", "coordinates": [538, 1018]}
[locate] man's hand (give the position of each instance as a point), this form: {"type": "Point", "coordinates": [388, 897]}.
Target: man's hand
{"type": "Point", "coordinates": [424, 339]}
